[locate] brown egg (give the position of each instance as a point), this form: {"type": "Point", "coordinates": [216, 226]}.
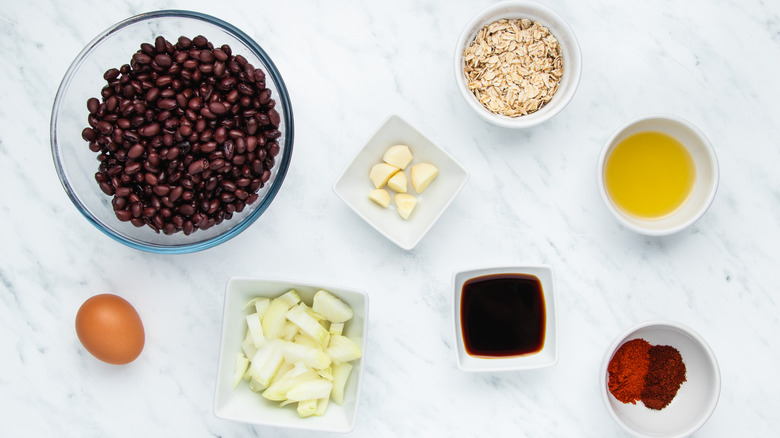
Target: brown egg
{"type": "Point", "coordinates": [110, 329]}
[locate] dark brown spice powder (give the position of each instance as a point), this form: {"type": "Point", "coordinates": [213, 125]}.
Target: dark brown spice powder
{"type": "Point", "coordinates": [665, 375]}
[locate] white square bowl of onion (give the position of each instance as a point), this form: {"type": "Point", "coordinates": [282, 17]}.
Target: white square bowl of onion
{"type": "Point", "coordinates": [291, 354]}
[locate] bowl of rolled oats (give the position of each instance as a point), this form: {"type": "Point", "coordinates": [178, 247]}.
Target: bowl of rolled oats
{"type": "Point", "coordinates": [517, 64]}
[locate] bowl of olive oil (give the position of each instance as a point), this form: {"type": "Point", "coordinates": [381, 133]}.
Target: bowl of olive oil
{"type": "Point", "coordinates": [658, 174]}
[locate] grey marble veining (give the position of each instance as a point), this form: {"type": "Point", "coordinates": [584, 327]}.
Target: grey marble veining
{"type": "Point", "coordinates": [531, 198]}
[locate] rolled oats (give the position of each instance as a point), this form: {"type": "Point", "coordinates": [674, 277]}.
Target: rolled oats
{"type": "Point", "coordinates": [513, 67]}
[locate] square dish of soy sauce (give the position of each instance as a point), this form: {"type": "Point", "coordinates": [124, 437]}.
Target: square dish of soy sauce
{"type": "Point", "coordinates": [505, 318]}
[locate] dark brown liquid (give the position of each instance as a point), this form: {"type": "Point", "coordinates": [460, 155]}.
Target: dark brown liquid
{"type": "Point", "coordinates": [503, 315]}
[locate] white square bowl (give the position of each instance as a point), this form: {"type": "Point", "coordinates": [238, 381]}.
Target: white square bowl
{"type": "Point", "coordinates": [353, 186]}
{"type": "Point", "coordinates": [240, 403]}
{"type": "Point", "coordinates": [546, 357]}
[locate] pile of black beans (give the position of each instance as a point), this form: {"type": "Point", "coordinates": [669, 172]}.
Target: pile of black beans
{"type": "Point", "coordinates": [186, 134]}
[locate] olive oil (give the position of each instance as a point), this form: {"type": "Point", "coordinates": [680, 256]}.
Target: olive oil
{"type": "Point", "coordinates": [649, 175]}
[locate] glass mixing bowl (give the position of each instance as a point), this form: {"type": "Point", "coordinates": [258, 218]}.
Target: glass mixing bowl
{"type": "Point", "coordinates": [76, 164]}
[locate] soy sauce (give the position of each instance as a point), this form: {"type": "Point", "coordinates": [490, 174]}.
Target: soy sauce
{"type": "Point", "coordinates": [503, 315]}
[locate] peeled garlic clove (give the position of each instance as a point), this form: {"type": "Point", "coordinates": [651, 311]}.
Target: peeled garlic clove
{"type": "Point", "coordinates": [399, 156]}
{"type": "Point", "coordinates": [405, 204]}
{"type": "Point", "coordinates": [380, 173]}
{"type": "Point", "coordinates": [422, 174]}
{"type": "Point", "coordinates": [380, 196]}
{"type": "Point", "coordinates": [398, 182]}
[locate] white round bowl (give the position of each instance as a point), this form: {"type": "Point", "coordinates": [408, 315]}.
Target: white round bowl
{"type": "Point", "coordinates": [704, 188]}
{"type": "Point", "coordinates": [696, 399]}
{"type": "Point", "coordinates": [572, 60]}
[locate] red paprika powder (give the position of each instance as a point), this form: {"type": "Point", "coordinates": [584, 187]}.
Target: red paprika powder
{"type": "Point", "coordinates": [627, 370]}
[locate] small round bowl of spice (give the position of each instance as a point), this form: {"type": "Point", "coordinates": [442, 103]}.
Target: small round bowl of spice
{"type": "Point", "coordinates": [517, 64]}
{"type": "Point", "coordinates": [172, 131]}
{"type": "Point", "coordinates": [660, 379]}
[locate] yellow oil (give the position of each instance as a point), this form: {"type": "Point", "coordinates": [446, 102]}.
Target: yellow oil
{"type": "Point", "coordinates": [649, 175]}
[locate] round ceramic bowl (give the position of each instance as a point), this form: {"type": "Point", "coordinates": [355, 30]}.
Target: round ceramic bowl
{"type": "Point", "coordinates": [705, 184]}
{"type": "Point", "coordinates": [572, 60]}
{"type": "Point", "coordinates": [695, 400]}
{"type": "Point", "coordinates": [76, 164]}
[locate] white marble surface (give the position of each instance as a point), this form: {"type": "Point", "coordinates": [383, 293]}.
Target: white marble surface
{"type": "Point", "coordinates": [532, 198]}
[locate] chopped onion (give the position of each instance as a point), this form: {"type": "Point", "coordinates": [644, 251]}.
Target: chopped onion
{"type": "Point", "coordinates": [239, 368]}
{"type": "Point", "coordinates": [265, 364]}
{"type": "Point", "coordinates": [293, 353]}
{"type": "Point", "coordinates": [310, 389]}
{"type": "Point", "coordinates": [331, 307]}
{"type": "Point", "coordinates": [307, 408]}
{"type": "Point", "coordinates": [308, 324]}
{"type": "Point", "coordinates": [313, 357]}
{"type": "Point", "coordinates": [255, 329]}
{"type": "Point", "coordinates": [274, 318]}
{"type": "Point", "coordinates": [342, 349]}
{"type": "Point", "coordinates": [298, 374]}
{"type": "Point", "coordinates": [248, 345]}
{"type": "Point", "coordinates": [336, 328]}
{"type": "Point", "coordinates": [322, 406]}
{"type": "Point", "coordinates": [340, 376]}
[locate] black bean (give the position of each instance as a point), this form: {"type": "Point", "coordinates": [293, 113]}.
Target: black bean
{"type": "Point", "coordinates": [274, 118]}
{"type": "Point", "coordinates": [150, 130]}
{"type": "Point", "coordinates": [217, 164]}
{"type": "Point", "coordinates": [142, 58]}
{"type": "Point", "coordinates": [228, 83]}
{"type": "Point", "coordinates": [205, 112]}
{"type": "Point", "coordinates": [167, 104]}
{"type": "Point", "coordinates": [272, 134]}
{"type": "Point", "coordinates": [187, 126]}
{"type": "Point", "coordinates": [104, 127]}
{"type": "Point", "coordinates": [197, 166]}
{"type": "Point", "coordinates": [217, 108]}
{"type": "Point", "coordinates": [259, 75]}
{"type": "Point", "coordinates": [208, 147]}
{"type": "Point", "coordinates": [163, 60]}
{"type": "Point", "coordinates": [184, 42]}
{"type": "Point", "coordinates": [148, 49]}
{"type": "Point", "coordinates": [93, 104]}
{"type": "Point", "coordinates": [107, 188]}
{"type": "Point", "coordinates": [164, 81]}
{"type": "Point", "coordinates": [124, 215]}
{"type": "Point", "coordinates": [241, 194]}
{"type": "Point", "coordinates": [88, 134]}
{"type": "Point", "coordinates": [206, 56]}
{"type": "Point", "coordinates": [122, 192]}
{"type": "Point", "coordinates": [200, 41]}
{"type": "Point", "coordinates": [245, 89]}
{"type": "Point", "coordinates": [111, 74]}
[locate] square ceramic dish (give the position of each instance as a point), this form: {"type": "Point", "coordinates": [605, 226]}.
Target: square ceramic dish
{"type": "Point", "coordinates": [694, 402]}
{"type": "Point", "coordinates": [546, 357]}
{"type": "Point", "coordinates": [240, 403]}
{"type": "Point", "coordinates": [354, 185]}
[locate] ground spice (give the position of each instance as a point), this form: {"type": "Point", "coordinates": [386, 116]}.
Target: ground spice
{"type": "Point", "coordinates": [628, 369]}
{"type": "Point", "coordinates": [665, 374]}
